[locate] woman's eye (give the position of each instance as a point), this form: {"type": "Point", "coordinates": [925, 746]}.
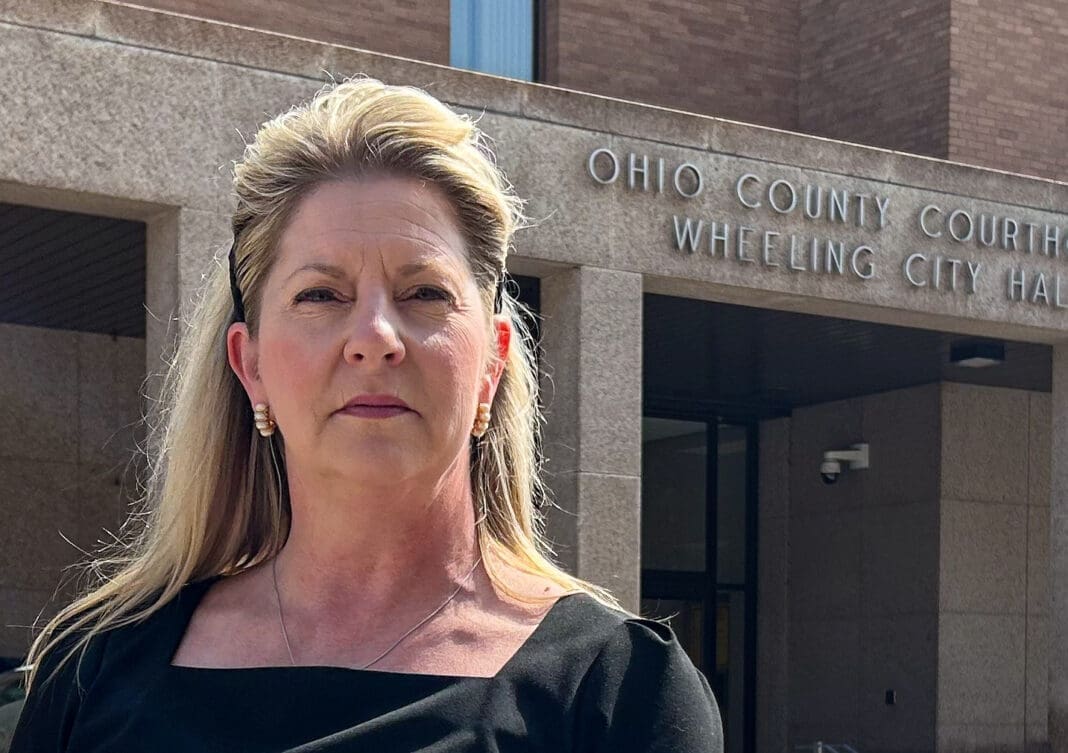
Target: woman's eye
{"type": "Point", "coordinates": [316, 295]}
{"type": "Point", "coordinates": [430, 293]}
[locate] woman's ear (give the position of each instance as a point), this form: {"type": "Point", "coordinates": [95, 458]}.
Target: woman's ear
{"type": "Point", "coordinates": [243, 355]}
{"type": "Point", "coordinates": [502, 330]}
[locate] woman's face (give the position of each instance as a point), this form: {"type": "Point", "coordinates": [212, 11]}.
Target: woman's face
{"type": "Point", "coordinates": [371, 298]}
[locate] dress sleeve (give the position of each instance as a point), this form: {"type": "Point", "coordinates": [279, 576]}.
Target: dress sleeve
{"type": "Point", "coordinates": [50, 708]}
{"type": "Point", "coordinates": [643, 694]}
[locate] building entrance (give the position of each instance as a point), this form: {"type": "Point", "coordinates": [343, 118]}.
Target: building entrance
{"type": "Point", "coordinates": [698, 567]}
{"type": "Point", "coordinates": [858, 609]}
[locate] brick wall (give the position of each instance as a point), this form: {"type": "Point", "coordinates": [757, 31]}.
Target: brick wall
{"type": "Point", "coordinates": [1008, 97]}
{"type": "Point", "coordinates": [977, 81]}
{"type": "Point", "coordinates": [727, 58]}
{"type": "Point", "coordinates": [411, 28]}
{"type": "Point", "coordinates": [876, 72]}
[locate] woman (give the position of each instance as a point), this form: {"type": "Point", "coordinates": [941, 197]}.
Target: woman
{"type": "Point", "coordinates": [341, 549]}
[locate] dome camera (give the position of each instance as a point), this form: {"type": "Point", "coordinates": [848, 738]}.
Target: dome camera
{"type": "Point", "coordinates": [831, 465]}
{"type": "Point", "coordinates": [830, 470]}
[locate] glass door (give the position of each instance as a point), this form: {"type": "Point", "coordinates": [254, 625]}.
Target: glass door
{"type": "Point", "coordinates": [698, 552]}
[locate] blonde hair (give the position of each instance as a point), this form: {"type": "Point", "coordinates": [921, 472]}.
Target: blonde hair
{"type": "Point", "coordinates": [213, 503]}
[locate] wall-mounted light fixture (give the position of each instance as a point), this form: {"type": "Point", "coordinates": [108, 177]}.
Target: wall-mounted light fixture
{"type": "Point", "coordinates": [977, 355]}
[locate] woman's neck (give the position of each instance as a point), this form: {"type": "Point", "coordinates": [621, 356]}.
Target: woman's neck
{"type": "Point", "coordinates": [353, 549]}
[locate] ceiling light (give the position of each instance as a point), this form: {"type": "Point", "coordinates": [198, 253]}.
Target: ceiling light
{"type": "Point", "coordinates": [976, 355]}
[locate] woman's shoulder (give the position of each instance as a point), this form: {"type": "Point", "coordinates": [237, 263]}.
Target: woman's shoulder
{"type": "Point", "coordinates": [84, 653]}
{"type": "Point", "coordinates": [611, 640]}
{"type": "Point", "coordinates": [611, 627]}
{"type": "Point", "coordinates": [149, 621]}
{"type": "Point", "coordinates": [642, 691]}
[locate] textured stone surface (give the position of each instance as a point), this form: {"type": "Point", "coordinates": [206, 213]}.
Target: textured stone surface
{"type": "Point", "coordinates": [32, 539]}
{"type": "Point", "coordinates": [774, 468]}
{"type": "Point", "coordinates": [110, 376]}
{"type": "Point", "coordinates": [824, 680]}
{"type": "Point", "coordinates": [1039, 449]}
{"type": "Point", "coordinates": [902, 428]}
{"type": "Point", "coordinates": [899, 559]}
{"type": "Point", "coordinates": [981, 670]}
{"type": "Point", "coordinates": [979, 738]}
{"type": "Point", "coordinates": [125, 121]}
{"type": "Point", "coordinates": [105, 494]}
{"type": "Point", "coordinates": [1038, 562]}
{"type": "Point", "coordinates": [38, 417]}
{"type": "Point", "coordinates": [247, 100]}
{"type": "Point", "coordinates": [984, 443]}
{"type": "Point", "coordinates": [901, 654]}
{"type": "Point", "coordinates": [596, 530]}
{"type": "Point", "coordinates": [62, 15]}
{"type": "Point", "coordinates": [984, 557]}
{"type": "Point", "coordinates": [561, 519]}
{"type": "Point", "coordinates": [539, 161]}
{"type": "Point", "coordinates": [825, 571]}
{"type": "Point", "coordinates": [1037, 739]}
{"type": "Point", "coordinates": [1037, 705]}
{"type": "Point", "coordinates": [591, 331]}
{"type": "Point", "coordinates": [1058, 550]}
{"type": "Point", "coordinates": [203, 244]}
{"type": "Point", "coordinates": [162, 299]}
{"type": "Point", "coordinates": [609, 534]}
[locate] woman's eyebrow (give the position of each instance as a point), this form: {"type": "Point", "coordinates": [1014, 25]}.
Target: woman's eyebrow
{"type": "Point", "coordinates": [415, 267]}
{"type": "Point", "coordinates": [405, 270]}
{"type": "Point", "coordinates": [330, 270]}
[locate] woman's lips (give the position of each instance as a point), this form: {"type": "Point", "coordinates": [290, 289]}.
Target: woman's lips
{"type": "Point", "coordinates": [374, 411]}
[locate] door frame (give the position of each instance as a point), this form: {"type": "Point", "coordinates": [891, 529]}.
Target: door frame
{"type": "Point", "coordinates": [668, 584]}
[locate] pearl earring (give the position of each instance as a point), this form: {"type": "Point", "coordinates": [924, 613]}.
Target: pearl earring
{"type": "Point", "coordinates": [264, 422]}
{"type": "Point", "coordinates": [481, 420]}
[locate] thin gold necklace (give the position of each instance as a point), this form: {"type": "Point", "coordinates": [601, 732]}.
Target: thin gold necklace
{"type": "Point", "coordinates": [285, 635]}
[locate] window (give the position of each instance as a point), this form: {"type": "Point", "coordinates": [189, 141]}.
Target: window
{"type": "Point", "coordinates": [493, 36]}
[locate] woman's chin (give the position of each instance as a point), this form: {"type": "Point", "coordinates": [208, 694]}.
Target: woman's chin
{"type": "Point", "coordinates": [372, 457]}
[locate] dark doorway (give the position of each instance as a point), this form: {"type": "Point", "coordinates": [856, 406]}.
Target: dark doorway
{"type": "Point", "coordinates": [698, 553]}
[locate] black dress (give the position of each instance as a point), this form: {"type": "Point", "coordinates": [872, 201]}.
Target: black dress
{"type": "Point", "coordinates": [587, 679]}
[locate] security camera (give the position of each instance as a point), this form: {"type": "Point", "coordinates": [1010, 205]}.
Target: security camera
{"type": "Point", "coordinates": [830, 470]}
{"type": "Point", "coordinates": [831, 467]}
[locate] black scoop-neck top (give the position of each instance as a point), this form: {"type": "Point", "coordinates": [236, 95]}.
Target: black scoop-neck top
{"type": "Point", "coordinates": [587, 679]}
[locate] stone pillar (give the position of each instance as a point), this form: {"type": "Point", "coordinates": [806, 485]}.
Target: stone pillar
{"type": "Point", "coordinates": [161, 299]}
{"type": "Point", "coordinates": [990, 621]}
{"type": "Point", "coordinates": [592, 341]}
{"type": "Point", "coordinates": [180, 244]}
{"type": "Point", "coordinates": [1058, 555]}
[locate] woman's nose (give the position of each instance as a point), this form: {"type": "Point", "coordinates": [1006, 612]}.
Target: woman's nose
{"type": "Point", "coordinates": [374, 336]}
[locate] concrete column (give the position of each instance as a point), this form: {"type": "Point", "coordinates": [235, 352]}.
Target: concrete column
{"type": "Point", "coordinates": [1058, 555]}
{"type": "Point", "coordinates": [592, 340]}
{"type": "Point", "coordinates": [161, 298]}
{"type": "Point", "coordinates": [180, 244]}
{"type": "Point", "coordinates": [988, 632]}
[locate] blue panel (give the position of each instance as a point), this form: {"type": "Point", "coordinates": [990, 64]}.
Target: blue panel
{"type": "Point", "coordinates": [493, 36]}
